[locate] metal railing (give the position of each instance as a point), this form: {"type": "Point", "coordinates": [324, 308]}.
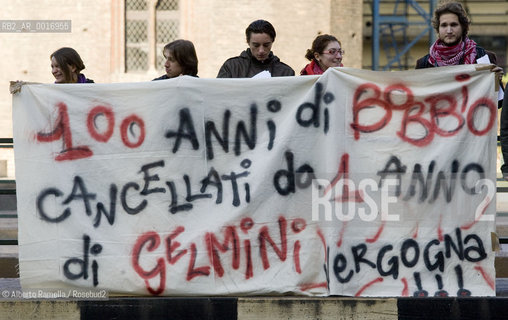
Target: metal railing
{"type": "Point", "coordinates": [7, 187]}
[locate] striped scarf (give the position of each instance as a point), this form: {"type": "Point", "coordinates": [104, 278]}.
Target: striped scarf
{"type": "Point", "coordinates": [462, 53]}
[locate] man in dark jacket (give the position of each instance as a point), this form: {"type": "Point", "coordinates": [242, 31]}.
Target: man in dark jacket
{"type": "Point", "coordinates": [453, 47]}
{"type": "Point", "coordinates": [258, 57]}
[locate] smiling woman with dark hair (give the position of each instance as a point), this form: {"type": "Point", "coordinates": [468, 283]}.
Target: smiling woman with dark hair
{"type": "Point", "coordinates": [66, 66]}
{"type": "Point", "coordinates": [326, 52]}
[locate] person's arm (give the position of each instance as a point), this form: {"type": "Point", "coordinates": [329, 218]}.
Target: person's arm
{"type": "Point", "coordinates": [493, 60]}
{"type": "Point", "coordinates": [499, 73]}
{"type": "Point", "coordinates": [492, 56]}
{"type": "Point", "coordinates": [280, 69]}
{"type": "Point", "coordinates": [288, 72]}
{"type": "Point", "coordinates": [421, 63]}
{"type": "Point", "coordinates": [224, 71]}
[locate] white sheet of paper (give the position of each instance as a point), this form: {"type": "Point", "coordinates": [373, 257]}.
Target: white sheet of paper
{"type": "Point", "coordinates": [263, 74]}
{"type": "Point", "coordinates": [485, 59]}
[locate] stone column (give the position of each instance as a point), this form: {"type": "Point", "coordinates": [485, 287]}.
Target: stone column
{"type": "Point", "coordinates": [346, 18]}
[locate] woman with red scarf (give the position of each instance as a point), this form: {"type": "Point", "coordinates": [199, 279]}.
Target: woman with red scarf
{"type": "Point", "coordinates": [326, 52]}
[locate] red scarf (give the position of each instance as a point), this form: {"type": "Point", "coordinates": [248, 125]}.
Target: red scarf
{"type": "Point", "coordinates": [464, 52]}
{"type": "Point", "coordinates": [313, 68]}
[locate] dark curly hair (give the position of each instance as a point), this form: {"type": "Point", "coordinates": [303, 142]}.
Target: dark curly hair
{"type": "Point", "coordinates": [455, 8]}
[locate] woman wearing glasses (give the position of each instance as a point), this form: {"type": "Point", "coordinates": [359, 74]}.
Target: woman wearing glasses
{"type": "Point", "coordinates": [326, 52]}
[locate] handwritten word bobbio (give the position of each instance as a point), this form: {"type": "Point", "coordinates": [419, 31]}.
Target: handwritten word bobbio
{"type": "Point", "coordinates": [62, 130]}
{"type": "Point", "coordinates": [441, 106]}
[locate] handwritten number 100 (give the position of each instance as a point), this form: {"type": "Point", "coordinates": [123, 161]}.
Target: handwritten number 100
{"type": "Point", "coordinates": [62, 130]}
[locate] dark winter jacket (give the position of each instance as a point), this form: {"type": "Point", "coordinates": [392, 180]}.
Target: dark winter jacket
{"type": "Point", "coordinates": [247, 66]}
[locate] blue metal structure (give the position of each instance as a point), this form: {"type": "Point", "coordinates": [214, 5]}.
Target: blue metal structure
{"type": "Point", "coordinates": [391, 31]}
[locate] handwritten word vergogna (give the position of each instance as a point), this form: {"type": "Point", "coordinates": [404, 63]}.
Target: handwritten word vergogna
{"type": "Point", "coordinates": [389, 260]}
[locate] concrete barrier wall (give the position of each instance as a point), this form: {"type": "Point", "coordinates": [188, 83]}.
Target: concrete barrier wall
{"type": "Point", "coordinates": [265, 308]}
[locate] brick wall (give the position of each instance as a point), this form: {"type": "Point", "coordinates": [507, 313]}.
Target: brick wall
{"type": "Point", "coordinates": [346, 23]}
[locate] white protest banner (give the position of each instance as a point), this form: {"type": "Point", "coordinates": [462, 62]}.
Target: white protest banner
{"type": "Point", "coordinates": [354, 183]}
